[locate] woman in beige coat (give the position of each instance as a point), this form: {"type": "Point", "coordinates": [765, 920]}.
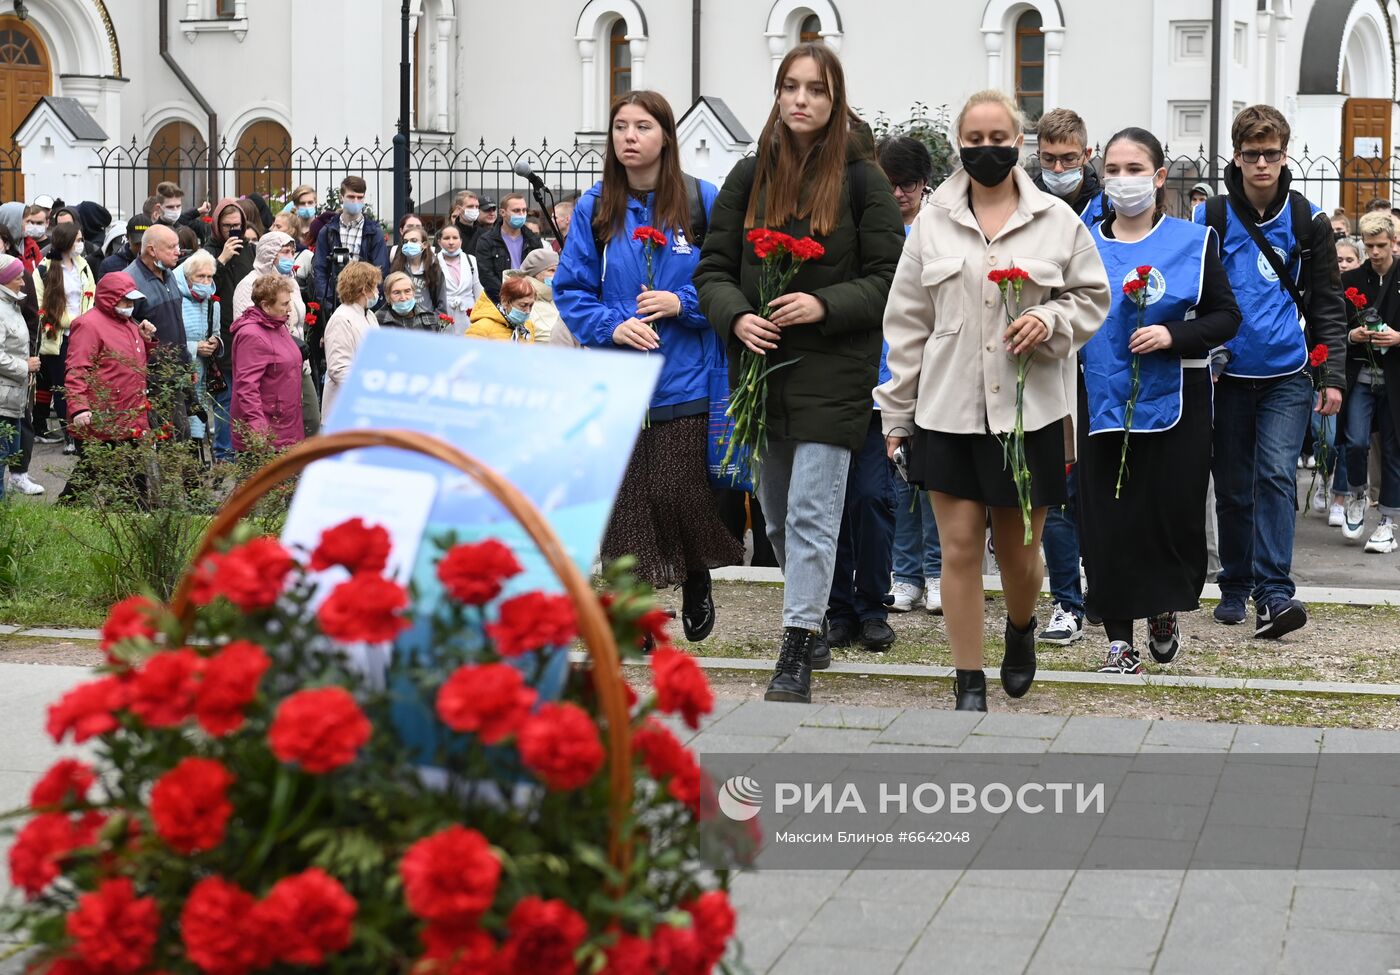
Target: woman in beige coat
{"type": "Point", "coordinates": [357, 288]}
{"type": "Point", "coordinates": [951, 400]}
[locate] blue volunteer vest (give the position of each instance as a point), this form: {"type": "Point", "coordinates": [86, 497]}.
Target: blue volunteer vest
{"type": "Point", "coordinates": [1271, 340]}
{"type": "Point", "coordinates": [1176, 251]}
{"type": "Point", "coordinates": [1093, 211]}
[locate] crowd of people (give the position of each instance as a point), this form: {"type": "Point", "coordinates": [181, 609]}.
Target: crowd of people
{"type": "Point", "coordinates": [1042, 363]}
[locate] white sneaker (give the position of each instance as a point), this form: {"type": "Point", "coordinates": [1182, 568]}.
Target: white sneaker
{"type": "Point", "coordinates": [1064, 628]}
{"type": "Point", "coordinates": [1382, 540]}
{"type": "Point", "coordinates": [25, 485]}
{"type": "Point", "coordinates": [1310, 463]}
{"type": "Point", "coordinates": [1355, 525]}
{"type": "Point", "coordinates": [906, 594]}
{"type": "Point", "coordinates": [1300, 462]}
{"type": "Point", "coordinates": [933, 597]}
{"type": "Point", "coordinates": [1336, 516]}
{"type": "Point", "coordinates": [1319, 496]}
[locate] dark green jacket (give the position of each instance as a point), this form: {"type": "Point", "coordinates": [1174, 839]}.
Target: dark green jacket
{"type": "Point", "coordinates": [825, 397]}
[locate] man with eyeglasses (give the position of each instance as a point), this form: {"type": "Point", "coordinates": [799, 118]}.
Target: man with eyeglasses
{"type": "Point", "coordinates": [1065, 172]}
{"type": "Point", "coordinates": [1282, 262]}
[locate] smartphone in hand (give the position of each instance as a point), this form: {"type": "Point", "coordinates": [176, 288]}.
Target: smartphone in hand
{"type": "Point", "coordinates": [901, 462]}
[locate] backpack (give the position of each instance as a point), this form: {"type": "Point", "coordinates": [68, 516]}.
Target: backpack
{"type": "Point", "coordinates": [1300, 213]}
{"type": "Point", "coordinates": [699, 218]}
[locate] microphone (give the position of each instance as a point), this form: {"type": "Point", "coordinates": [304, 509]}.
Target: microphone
{"type": "Point", "coordinates": [522, 169]}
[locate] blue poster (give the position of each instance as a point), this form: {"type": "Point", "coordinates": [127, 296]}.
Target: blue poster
{"type": "Point", "coordinates": [558, 423]}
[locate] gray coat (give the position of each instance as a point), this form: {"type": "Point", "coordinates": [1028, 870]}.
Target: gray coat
{"type": "Point", "coordinates": [14, 361]}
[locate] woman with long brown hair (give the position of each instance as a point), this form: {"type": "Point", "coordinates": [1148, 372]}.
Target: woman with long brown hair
{"type": "Point", "coordinates": [814, 175]}
{"type": "Point", "coordinates": [64, 289]}
{"type": "Point", "coordinates": [665, 514]}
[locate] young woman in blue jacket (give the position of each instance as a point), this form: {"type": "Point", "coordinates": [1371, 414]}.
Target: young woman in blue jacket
{"type": "Point", "coordinates": [665, 514]}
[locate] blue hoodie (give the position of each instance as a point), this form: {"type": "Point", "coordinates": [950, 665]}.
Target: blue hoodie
{"type": "Point", "coordinates": [596, 295]}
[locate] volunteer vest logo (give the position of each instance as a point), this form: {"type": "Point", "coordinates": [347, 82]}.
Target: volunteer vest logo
{"type": "Point", "coordinates": [1156, 284]}
{"type": "Point", "coordinates": [680, 245]}
{"type": "Point", "coordinates": [1266, 270]}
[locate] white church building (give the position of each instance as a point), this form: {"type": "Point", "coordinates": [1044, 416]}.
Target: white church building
{"type": "Point", "coordinates": [257, 74]}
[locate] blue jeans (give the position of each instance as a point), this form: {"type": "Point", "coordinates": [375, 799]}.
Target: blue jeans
{"type": "Point", "coordinates": [1259, 428]}
{"type": "Point", "coordinates": [918, 555]}
{"type": "Point", "coordinates": [220, 416]}
{"type": "Point", "coordinates": [802, 487]}
{"type": "Point", "coordinates": [862, 574]}
{"type": "Point", "coordinates": [1330, 432]}
{"type": "Point", "coordinates": [1364, 403]}
{"type": "Point", "coordinates": [1060, 540]}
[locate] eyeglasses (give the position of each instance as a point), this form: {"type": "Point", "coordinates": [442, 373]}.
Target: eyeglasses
{"type": "Point", "coordinates": [910, 187]}
{"type": "Point", "coordinates": [1252, 156]}
{"type": "Point", "coordinates": [1068, 161]}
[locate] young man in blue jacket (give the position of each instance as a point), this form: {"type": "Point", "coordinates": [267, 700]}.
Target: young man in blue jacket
{"type": "Point", "coordinates": [350, 231]}
{"type": "Point", "coordinates": [1265, 391]}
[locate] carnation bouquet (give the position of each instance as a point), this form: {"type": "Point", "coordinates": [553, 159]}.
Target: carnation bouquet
{"type": "Point", "coordinates": [1009, 282]}
{"type": "Point", "coordinates": [1136, 290]}
{"type": "Point", "coordinates": [781, 256]}
{"type": "Point", "coordinates": [249, 806]}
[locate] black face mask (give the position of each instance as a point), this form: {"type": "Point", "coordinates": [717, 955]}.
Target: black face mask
{"type": "Point", "coordinates": [989, 165]}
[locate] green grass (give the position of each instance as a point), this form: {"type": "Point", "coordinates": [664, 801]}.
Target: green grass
{"type": "Point", "coordinates": [49, 578]}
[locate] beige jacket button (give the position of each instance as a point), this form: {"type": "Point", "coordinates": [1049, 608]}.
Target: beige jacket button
{"type": "Point", "coordinates": [996, 387]}
{"type": "Point", "coordinates": [991, 258]}
{"type": "Point", "coordinates": [991, 348]}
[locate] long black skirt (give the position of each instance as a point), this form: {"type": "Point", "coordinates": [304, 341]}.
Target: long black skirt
{"type": "Point", "coordinates": [1145, 552]}
{"type": "Point", "coordinates": [665, 513]}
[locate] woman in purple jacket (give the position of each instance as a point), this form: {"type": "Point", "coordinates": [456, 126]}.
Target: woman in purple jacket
{"type": "Point", "coordinates": [267, 368]}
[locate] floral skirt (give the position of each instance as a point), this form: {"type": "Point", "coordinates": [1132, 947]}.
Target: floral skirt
{"type": "Point", "coordinates": [665, 513]}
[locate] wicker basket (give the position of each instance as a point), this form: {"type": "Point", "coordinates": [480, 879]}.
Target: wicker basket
{"type": "Point", "coordinates": [593, 624]}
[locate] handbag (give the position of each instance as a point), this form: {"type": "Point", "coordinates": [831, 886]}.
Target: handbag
{"type": "Point", "coordinates": [736, 475]}
{"type": "Point", "coordinates": [214, 379]}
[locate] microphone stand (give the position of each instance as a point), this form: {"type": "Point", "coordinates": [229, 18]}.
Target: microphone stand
{"type": "Point", "coordinates": [540, 190]}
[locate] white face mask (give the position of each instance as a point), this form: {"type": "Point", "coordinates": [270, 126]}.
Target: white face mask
{"type": "Point", "coordinates": [471, 214]}
{"type": "Point", "coordinates": [1063, 184]}
{"type": "Point", "coordinates": [1131, 195]}
{"type": "Point", "coordinates": [34, 230]}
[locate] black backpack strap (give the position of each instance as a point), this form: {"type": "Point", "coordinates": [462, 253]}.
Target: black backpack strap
{"type": "Point", "coordinates": [1277, 263]}
{"type": "Point", "coordinates": [1215, 219]}
{"type": "Point", "coordinates": [1302, 216]}
{"type": "Point", "coordinates": [856, 186]}
{"type": "Point", "coordinates": [699, 219]}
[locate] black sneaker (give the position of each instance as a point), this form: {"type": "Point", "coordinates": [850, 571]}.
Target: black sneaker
{"type": "Point", "coordinates": [1279, 616]}
{"type": "Point", "coordinates": [1122, 659]}
{"type": "Point", "coordinates": [1092, 620]}
{"type": "Point", "coordinates": [697, 606]}
{"type": "Point", "coordinates": [1231, 610]}
{"type": "Point", "coordinates": [876, 636]}
{"type": "Point", "coordinates": [48, 438]}
{"type": "Point", "coordinates": [840, 633]}
{"type": "Point", "coordinates": [792, 676]}
{"type": "Point", "coordinates": [1164, 637]}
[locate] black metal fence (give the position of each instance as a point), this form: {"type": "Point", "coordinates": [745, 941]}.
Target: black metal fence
{"type": "Point", "coordinates": [129, 172]}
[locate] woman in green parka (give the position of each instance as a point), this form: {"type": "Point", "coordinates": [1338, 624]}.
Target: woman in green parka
{"type": "Point", "coordinates": [814, 175]}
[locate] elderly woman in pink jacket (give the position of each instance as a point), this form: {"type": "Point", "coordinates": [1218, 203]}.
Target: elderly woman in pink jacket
{"type": "Point", "coordinates": [267, 376]}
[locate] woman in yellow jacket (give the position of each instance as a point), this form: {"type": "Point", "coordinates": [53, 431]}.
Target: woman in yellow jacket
{"type": "Point", "coordinates": [63, 290]}
{"type": "Point", "coordinates": [510, 320]}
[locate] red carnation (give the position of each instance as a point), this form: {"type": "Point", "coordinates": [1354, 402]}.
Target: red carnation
{"type": "Point", "coordinates": [203, 586]}
{"type": "Point", "coordinates": [67, 780]}
{"type": "Point", "coordinates": [320, 730]}
{"type": "Point", "coordinates": [364, 609]}
{"type": "Point", "coordinates": [130, 619]}
{"type": "Point", "coordinates": [1357, 299]}
{"type": "Point", "coordinates": [451, 876]}
{"type": "Point", "coordinates": [678, 950]}
{"type": "Point", "coordinates": [465, 950]}
{"type": "Point", "coordinates": [681, 687]}
{"type": "Point", "coordinates": [252, 575]}
{"type": "Point", "coordinates": [113, 930]}
{"type": "Point", "coordinates": [310, 916]}
{"type": "Point", "coordinates": [630, 955]}
{"type": "Point", "coordinates": [163, 690]}
{"type": "Point", "coordinates": [543, 938]}
{"type": "Point", "coordinates": [1144, 271]}
{"type": "Point", "coordinates": [649, 235]}
{"type": "Point", "coordinates": [490, 700]}
{"type": "Point", "coordinates": [667, 760]}
{"type": "Point", "coordinates": [807, 249]}
{"type": "Point", "coordinates": [39, 850]}
{"type": "Point", "coordinates": [230, 684]}
{"type": "Point", "coordinates": [654, 623]}
{"type": "Point", "coordinates": [353, 544]}
{"type": "Point", "coordinates": [713, 919]}
{"type": "Point", "coordinates": [560, 744]}
{"type": "Point", "coordinates": [221, 929]}
{"type": "Point", "coordinates": [1317, 356]}
{"type": "Point", "coordinates": [190, 807]}
{"type": "Point", "coordinates": [533, 621]}
{"type": "Point", "coordinates": [87, 710]}
{"type": "Point", "coordinates": [1017, 274]}
{"type": "Point", "coordinates": [1134, 286]}
{"type": "Point", "coordinates": [314, 305]}
{"type": "Point", "coordinates": [474, 574]}
{"type": "Point", "coordinates": [996, 276]}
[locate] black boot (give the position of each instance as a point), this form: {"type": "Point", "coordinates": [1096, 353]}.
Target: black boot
{"type": "Point", "coordinates": [821, 648]}
{"type": "Point", "coordinates": [1018, 666]}
{"type": "Point", "coordinates": [792, 678]}
{"type": "Point", "coordinates": [970, 690]}
{"type": "Point", "coordinates": [697, 606]}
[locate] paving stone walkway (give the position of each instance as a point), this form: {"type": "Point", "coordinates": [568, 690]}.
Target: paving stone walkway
{"type": "Point", "coordinates": [875, 922]}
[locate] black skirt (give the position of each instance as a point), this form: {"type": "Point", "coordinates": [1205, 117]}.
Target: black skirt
{"type": "Point", "coordinates": [973, 466]}
{"type": "Point", "coordinates": [1145, 552]}
{"type": "Point", "coordinates": [665, 512]}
